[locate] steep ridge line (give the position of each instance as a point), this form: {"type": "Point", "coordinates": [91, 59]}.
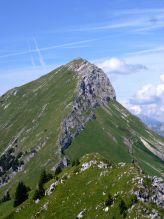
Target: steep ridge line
{"type": "Point", "coordinates": [93, 89]}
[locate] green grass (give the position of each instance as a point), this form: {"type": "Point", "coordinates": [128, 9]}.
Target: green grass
{"type": "Point", "coordinates": [5, 208]}
{"type": "Point", "coordinates": [23, 114]}
{"type": "Point", "coordinates": [106, 134]}
{"type": "Point", "coordinates": [89, 190]}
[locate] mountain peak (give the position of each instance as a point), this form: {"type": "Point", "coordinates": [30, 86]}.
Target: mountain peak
{"type": "Point", "coordinates": [93, 89]}
{"type": "Point", "coordinates": [93, 81]}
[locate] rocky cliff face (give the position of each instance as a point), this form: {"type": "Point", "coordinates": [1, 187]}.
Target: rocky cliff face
{"type": "Point", "coordinates": [93, 83]}
{"type": "Point", "coordinates": [93, 89]}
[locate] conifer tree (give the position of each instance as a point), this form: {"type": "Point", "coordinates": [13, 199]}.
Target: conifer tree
{"type": "Point", "coordinates": [21, 194]}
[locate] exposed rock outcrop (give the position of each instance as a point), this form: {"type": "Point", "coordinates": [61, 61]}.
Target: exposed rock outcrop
{"type": "Point", "coordinates": [100, 165]}
{"type": "Point", "coordinates": [93, 89]}
{"type": "Point", "coordinates": [155, 187]}
{"type": "Point", "coordinates": [158, 190]}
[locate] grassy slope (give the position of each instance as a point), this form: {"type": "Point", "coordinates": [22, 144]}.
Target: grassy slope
{"type": "Point", "coordinates": [70, 197]}
{"type": "Point", "coordinates": [57, 90]}
{"type": "Point", "coordinates": [106, 135]}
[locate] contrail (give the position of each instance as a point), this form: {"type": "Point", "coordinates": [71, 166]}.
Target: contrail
{"type": "Point", "coordinates": [48, 48]}
{"type": "Point", "coordinates": [31, 56]}
{"type": "Point", "coordinates": [41, 59]}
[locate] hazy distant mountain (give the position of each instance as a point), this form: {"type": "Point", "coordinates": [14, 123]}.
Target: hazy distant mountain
{"type": "Point", "coordinates": [153, 124]}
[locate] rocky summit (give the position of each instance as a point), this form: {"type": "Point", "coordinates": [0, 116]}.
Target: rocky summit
{"type": "Point", "coordinates": [75, 151]}
{"type": "Point", "coordinates": [93, 89]}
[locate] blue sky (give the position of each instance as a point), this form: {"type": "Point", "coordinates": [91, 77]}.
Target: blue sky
{"type": "Point", "coordinates": [124, 37]}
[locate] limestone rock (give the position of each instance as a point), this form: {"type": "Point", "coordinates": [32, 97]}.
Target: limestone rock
{"type": "Point", "coordinates": [93, 89]}
{"type": "Point", "coordinates": [156, 190]}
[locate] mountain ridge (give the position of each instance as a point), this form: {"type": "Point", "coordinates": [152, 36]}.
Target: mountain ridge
{"type": "Point", "coordinates": [70, 112]}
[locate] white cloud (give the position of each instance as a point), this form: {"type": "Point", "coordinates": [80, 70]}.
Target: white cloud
{"type": "Point", "coordinates": [162, 109]}
{"type": "Point", "coordinates": [160, 91]}
{"type": "Point", "coordinates": [150, 93]}
{"type": "Point", "coordinates": [136, 109]}
{"type": "Point", "coordinates": [119, 66]}
{"type": "Point", "coordinates": [153, 111]}
{"type": "Point", "coordinates": [148, 101]}
{"type": "Point", "coordinates": [162, 78]}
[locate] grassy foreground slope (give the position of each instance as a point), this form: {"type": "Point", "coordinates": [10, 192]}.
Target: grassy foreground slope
{"type": "Point", "coordinates": [86, 189]}
{"type": "Point", "coordinates": [117, 134]}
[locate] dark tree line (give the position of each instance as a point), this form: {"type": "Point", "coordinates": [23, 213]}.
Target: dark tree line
{"type": "Point", "coordinates": [6, 197]}
{"type": "Point", "coordinates": [40, 191]}
{"type": "Point", "coordinates": [21, 194]}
